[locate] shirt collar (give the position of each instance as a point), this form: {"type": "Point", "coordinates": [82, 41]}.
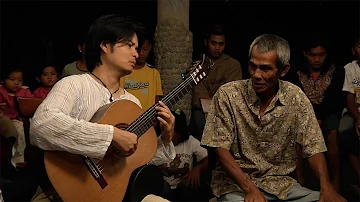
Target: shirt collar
{"type": "Point", "coordinates": [280, 95]}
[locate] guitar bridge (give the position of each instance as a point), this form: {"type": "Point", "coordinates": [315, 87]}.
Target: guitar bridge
{"type": "Point", "coordinates": [95, 172]}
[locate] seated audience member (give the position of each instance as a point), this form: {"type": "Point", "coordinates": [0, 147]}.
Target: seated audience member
{"type": "Point", "coordinates": [349, 144]}
{"type": "Point", "coordinates": [47, 78]}
{"type": "Point", "coordinates": [351, 88]}
{"type": "Point", "coordinates": [254, 126]}
{"type": "Point", "coordinates": [78, 66]}
{"type": "Point", "coordinates": [221, 68]}
{"type": "Point", "coordinates": [185, 181]}
{"type": "Point", "coordinates": [144, 82]}
{"type": "Point", "coordinates": [110, 52]}
{"type": "Point", "coordinates": [350, 137]}
{"type": "Point", "coordinates": [12, 88]}
{"type": "Point", "coordinates": [322, 82]}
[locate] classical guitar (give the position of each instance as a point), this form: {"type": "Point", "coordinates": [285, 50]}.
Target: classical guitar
{"type": "Point", "coordinates": [80, 178]}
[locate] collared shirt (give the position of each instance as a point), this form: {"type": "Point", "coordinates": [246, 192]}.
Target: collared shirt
{"type": "Point", "coordinates": [265, 149]}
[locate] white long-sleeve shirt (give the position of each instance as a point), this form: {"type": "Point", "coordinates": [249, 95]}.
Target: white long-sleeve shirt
{"type": "Point", "coordinates": [61, 122]}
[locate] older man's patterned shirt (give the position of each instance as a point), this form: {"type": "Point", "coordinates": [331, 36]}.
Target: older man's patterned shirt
{"type": "Point", "coordinates": [264, 148]}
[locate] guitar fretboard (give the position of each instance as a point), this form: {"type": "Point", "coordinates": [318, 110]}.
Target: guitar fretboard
{"type": "Point", "coordinates": [148, 118]}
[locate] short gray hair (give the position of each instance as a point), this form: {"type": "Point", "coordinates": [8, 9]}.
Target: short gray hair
{"type": "Point", "coordinates": [268, 42]}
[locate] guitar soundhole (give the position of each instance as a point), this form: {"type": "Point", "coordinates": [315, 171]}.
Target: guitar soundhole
{"type": "Point", "coordinates": [121, 125]}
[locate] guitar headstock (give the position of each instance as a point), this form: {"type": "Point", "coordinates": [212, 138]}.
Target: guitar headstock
{"type": "Point", "coordinates": [197, 71]}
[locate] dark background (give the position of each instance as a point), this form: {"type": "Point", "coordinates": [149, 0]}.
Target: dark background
{"type": "Point", "coordinates": [25, 25]}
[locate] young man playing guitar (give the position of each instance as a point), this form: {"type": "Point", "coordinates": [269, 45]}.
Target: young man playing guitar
{"type": "Point", "coordinates": [61, 122]}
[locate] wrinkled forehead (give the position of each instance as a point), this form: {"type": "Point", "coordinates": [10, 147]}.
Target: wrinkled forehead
{"type": "Point", "coordinates": [260, 58]}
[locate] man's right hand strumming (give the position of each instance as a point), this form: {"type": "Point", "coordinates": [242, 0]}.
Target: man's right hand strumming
{"type": "Point", "coordinates": [125, 141]}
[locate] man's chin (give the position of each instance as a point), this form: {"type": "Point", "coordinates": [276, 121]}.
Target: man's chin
{"type": "Point", "coordinates": [127, 72]}
{"type": "Point", "coordinates": [259, 90]}
{"type": "Point", "coordinates": [14, 90]}
{"type": "Point", "coordinates": [216, 56]}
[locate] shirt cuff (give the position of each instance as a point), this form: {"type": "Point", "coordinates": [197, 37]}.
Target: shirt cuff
{"type": "Point", "coordinates": [169, 150]}
{"type": "Point", "coordinates": [107, 141]}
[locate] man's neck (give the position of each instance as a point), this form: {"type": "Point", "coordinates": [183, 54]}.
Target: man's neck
{"type": "Point", "coordinates": [265, 100]}
{"type": "Point", "coordinates": [139, 66]}
{"type": "Point", "coordinates": [110, 77]}
{"type": "Point", "coordinates": [80, 64]}
{"type": "Point", "coordinates": [212, 58]}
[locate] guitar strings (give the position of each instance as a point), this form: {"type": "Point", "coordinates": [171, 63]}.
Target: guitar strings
{"type": "Point", "coordinates": [176, 90]}
{"type": "Point", "coordinates": [152, 110]}
{"type": "Point", "coordinates": [150, 113]}
{"type": "Point", "coordinates": [147, 114]}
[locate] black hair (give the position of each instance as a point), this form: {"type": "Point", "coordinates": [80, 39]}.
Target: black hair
{"type": "Point", "coordinates": [215, 29]}
{"type": "Point", "coordinates": [110, 29]}
{"type": "Point", "coordinates": [146, 35]}
{"type": "Point", "coordinates": [80, 37]}
{"type": "Point", "coordinates": [7, 72]}
{"type": "Point", "coordinates": [181, 125]}
{"type": "Point", "coordinates": [48, 64]}
{"type": "Point", "coordinates": [315, 40]}
{"type": "Point", "coordinates": [355, 41]}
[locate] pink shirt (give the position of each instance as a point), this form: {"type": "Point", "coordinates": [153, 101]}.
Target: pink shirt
{"type": "Point", "coordinates": [41, 92]}
{"type": "Point", "coordinates": [11, 110]}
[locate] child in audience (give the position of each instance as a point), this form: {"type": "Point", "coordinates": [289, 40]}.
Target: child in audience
{"type": "Point", "coordinates": [47, 77]}
{"type": "Point", "coordinates": [13, 87]}
{"type": "Point", "coordinates": [350, 122]}
{"type": "Point", "coordinates": [351, 88]}
{"type": "Point", "coordinates": [185, 180]}
{"type": "Point", "coordinates": [322, 82]}
{"type": "Point", "coordinates": [144, 82]}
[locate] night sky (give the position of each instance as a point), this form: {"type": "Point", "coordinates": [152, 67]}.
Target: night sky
{"type": "Point", "coordinates": [24, 25]}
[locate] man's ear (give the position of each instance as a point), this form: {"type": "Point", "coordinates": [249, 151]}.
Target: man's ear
{"type": "Point", "coordinates": [304, 52]}
{"type": "Point", "coordinates": [205, 42]}
{"type": "Point", "coordinates": [353, 51]}
{"type": "Point", "coordinates": [105, 47]}
{"type": "Point", "coordinates": [285, 70]}
{"type": "Point", "coordinates": [80, 48]}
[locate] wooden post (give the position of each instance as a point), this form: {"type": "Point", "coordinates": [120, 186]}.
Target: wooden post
{"type": "Point", "coordinates": [173, 46]}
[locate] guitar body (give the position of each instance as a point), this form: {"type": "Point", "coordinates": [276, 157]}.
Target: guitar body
{"type": "Point", "coordinates": [78, 178]}
{"type": "Point", "coordinates": [73, 181]}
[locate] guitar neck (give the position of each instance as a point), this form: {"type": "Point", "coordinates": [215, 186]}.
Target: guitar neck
{"type": "Point", "coordinates": [148, 118]}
